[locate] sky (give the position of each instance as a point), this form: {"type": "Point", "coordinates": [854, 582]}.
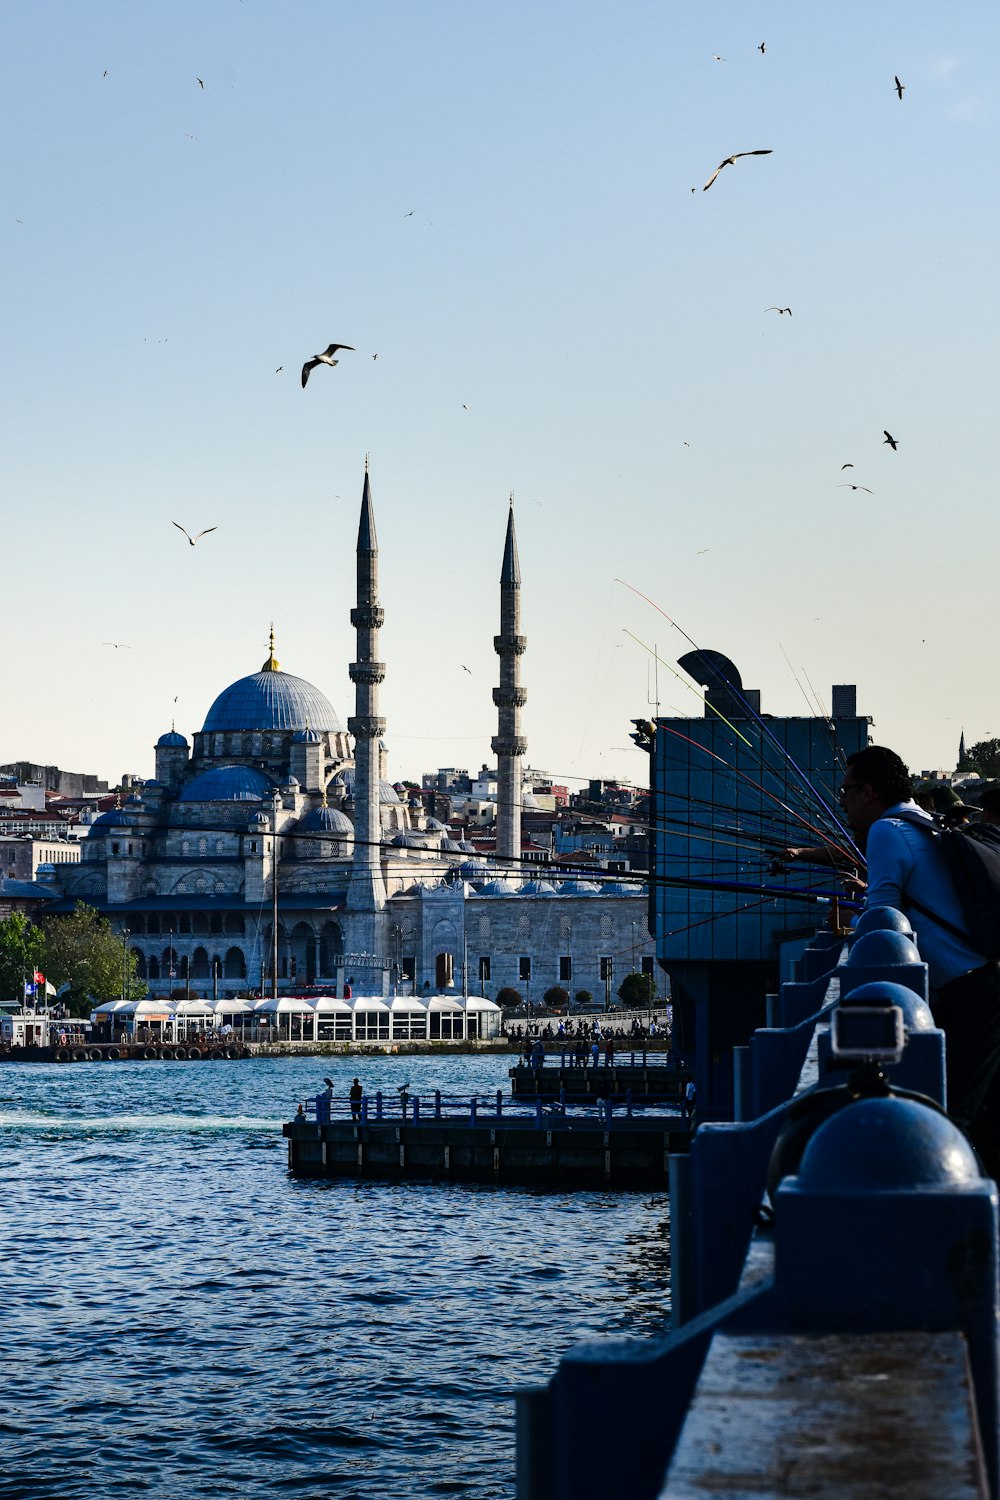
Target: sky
{"type": "Point", "coordinates": [506, 205]}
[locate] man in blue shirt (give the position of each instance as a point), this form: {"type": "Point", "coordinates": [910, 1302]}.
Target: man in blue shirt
{"type": "Point", "coordinates": [906, 869]}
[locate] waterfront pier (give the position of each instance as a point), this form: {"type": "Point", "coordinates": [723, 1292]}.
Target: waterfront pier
{"type": "Point", "coordinates": [495, 1140]}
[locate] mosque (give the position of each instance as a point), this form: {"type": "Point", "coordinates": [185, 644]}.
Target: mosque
{"type": "Point", "coordinates": [273, 854]}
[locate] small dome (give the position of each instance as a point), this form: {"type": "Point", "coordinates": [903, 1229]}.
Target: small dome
{"type": "Point", "coordinates": [326, 820]}
{"type": "Point", "coordinates": [228, 784]}
{"type": "Point", "coordinates": [172, 740]}
{"type": "Point", "coordinates": [434, 826]}
{"type": "Point", "coordinates": [115, 818]}
{"type": "Point", "coordinates": [498, 887]}
{"type": "Point", "coordinates": [466, 847]}
{"type": "Point", "coordinates": [406, 841]}
{"type": "Point", "coordinates": [474, 869]}
{"type": "Point", "coordinates": [292, 783]}
{"type": "Point", "coordinates": [450, 847]}
{"type": "Point", "coordinates": [307, 737]}
{"type": "Point", "coordinates": [345, 779]}
{"type": "Point", "coordinates": [579, 888]}
{"type": "Point", "coordinates": [537, 888]}
{"type": "Point", "coordinates": [622, 888]}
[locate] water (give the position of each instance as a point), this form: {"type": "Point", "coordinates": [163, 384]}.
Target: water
{"type": "Point", "coordinates": [184, 1319]}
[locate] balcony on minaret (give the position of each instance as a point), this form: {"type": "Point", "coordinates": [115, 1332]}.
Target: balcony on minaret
{"type": "Point", "coordinates": [510, 697]}
{"type": "Point", "coordinates": [510, 645]}
{"type": "Point", "coordinates": [509, 744]}
{"type": "Point", "coordinates": [368, 617]}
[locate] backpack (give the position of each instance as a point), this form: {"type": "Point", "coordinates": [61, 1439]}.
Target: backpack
{"type": "Point", "coordinates": [972, 860]}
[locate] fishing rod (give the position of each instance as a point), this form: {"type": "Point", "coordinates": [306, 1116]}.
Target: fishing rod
{"type": "Point", "coordinates": [716, 671]}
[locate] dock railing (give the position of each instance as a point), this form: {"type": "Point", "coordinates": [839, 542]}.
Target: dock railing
{"type": "Point", "coordinates": [487, 1110]}
{"type": "Point", "coordinates": [835, 1275]}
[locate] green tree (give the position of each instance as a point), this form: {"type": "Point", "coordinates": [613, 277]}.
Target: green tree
{"type": "Point", "coordinates": [82, 952]}
{"type": "Point", "coordinates": [984, 757]}
{"type": "Point", "coordinates": [636, 991]}
{"type": "Point", "coordinates": [22, 951]}
{"type": "Point", "coordinates": [509, 998]}
{"type": "Point", "coordinates": [583, 997]}
{"type": "Point", "coordinates": [555, 997]}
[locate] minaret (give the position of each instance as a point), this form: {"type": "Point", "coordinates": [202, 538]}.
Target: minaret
{"type": "Point", "coordinates": [508, 743]}
{"type": "Point", "coordinates": [366, 892]}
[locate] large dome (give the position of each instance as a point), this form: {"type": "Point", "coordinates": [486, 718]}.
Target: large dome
{"type": "Point", "coordinates": [270, 699]}
{"type": "Point", "coordinates": [228, 784]}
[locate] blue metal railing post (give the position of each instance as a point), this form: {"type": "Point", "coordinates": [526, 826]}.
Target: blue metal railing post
{"type": "Point", "coordinates": [416, 1108]}
{"type": "Point", "coordinates": [437, 1104]}
{"type": "Point", "coordinates": [364, 1110]}
{"type": "Point", "coordinates": [499, 1103]}
{"type": "Point", "coordinates": [472, 1109]}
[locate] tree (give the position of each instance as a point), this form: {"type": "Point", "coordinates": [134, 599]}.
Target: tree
{"type": "Point", "coordinates": [555, 997]}
{"type": "Point", "coordinates": [583, 997]}
{"type": "Point", "coordinates": [984, 757]}
{"type": "Point", "coordinates": [636, 991]}
{"type": "Point", "coordinates": [22, 951]}
{"type": "Point", "coordinates": [508, 998]}
{"type": "Point", "coordinates": [82, 952]}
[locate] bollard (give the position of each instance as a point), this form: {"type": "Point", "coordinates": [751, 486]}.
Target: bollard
{"type": "Point", "coordinates": [437, 1104]}
{"type": "Point", "coordinates": [499, 1103]}
{"type": "Point", "coordinates": [378, 1105]}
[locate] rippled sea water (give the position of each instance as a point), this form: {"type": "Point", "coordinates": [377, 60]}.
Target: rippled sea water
{"type": "Point", "coordinates": [185, 1319]}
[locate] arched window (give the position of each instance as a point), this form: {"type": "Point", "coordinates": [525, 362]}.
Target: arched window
{"type": "Point", "coordinates": [331, 948]}
{"type": "Point", "coordinates": [140, 963]}
{"type": "Point", "coordinates": [153, 967]}
{"type": "Point", "coordinates": [235, 966]}
{"type": "Point", "coordinates": [199, 964]}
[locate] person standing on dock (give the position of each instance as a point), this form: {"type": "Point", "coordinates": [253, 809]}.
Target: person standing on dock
{"type": "Point", "coordinates": [356, 1095]}
{"type": "Point", "coordinates": [609, 1052]}
{"type": "Point", "coordinates": [595, 1052]}
{"type": "Point", "coordinates": [690, 1098]}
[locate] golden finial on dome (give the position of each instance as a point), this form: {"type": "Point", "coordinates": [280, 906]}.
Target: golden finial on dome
{"type": "Point", "coordinates": [272, 664]}
{"type": "Point", "coordinates": [323, 801]}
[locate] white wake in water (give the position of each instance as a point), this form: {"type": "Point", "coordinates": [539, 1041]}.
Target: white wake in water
{"type": "Point", "coordinates": [26, 1121]}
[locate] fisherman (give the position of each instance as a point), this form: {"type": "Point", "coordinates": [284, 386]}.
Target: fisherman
{"type": "Point", "coordinates": [905, 867]}
{"type": "Point", "coordinates": [324, 1102]}
{"type": "Point", "coordinates": [356, 1094]}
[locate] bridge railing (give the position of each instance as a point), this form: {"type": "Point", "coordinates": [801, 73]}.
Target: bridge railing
{"type": "Point", "coordinates": [835, 1280]}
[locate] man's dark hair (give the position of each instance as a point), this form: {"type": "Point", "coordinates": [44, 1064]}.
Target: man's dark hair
{"type": "Point", "coordinates": [884, 772]}
{"type": "Point", "coordinates": [990, 801]}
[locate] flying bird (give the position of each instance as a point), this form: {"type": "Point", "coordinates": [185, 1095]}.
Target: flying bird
{"type": "Point", "coordinates": [760, 49]}
{"type": "Point", "coordinates": [410, 214]}
{"type": "Point", "coordinates": [767, 151]}
{"type": "Point", "coordinates": [900, 87]}
{"type": "Point", "coordinates": [375, 355]}
{"type": "Point", "coordinates": [890, 440]}
{"type": "Point", "coordinates": [846, 466]}
{"type": "Point", "coordinates": [279, 369]}
{"type": "Point", "coordinates": [118, 645]}
{"type": "Point", "coordinates": [466, 669]}
{"type": "Point", "coordinates": [326, 358]}
{"type": "Point", "coordinates": [193, 539]}
{"type": "Point", "coordinates": [787, 310]}
{"type": "Point", "coordinates": [856, 487]}
{"type": "Point", "coordinates": [201, 85]}
{"type": "Point", "coordinates": [717, 58]}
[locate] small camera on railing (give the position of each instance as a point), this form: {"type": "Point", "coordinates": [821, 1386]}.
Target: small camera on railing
{"type": "Point", "coordinates": [869, 1035]}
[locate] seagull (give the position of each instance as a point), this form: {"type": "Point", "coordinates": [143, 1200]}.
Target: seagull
{"type": "Point", "coordinates": [193, 539]}
{"type": "Point", "coordinates": [466, 669]}
{"type": "Point", "coordinates": [118, 645]}
{"type": "Point", "coordinates": [846, 466]}
{"type": "Point", "coordinates": [856, 487]}
{"type": "Point", "coordinates": [890, 440]}
{"type": "Point", "coordinates": [200, 83]}
{"type": "Point", "coordinates": [375, 355]}
{"type": "Point", "coordinates": [410, 214]}
{"type": "Point", "coordinates": [729, 161]}
{"type": "Point", "coordinates": [279, 369]}
{"type": "Point", "coordinates": [717, 58]}
{"type": "Point", "coordinates": [787, 310]}
{"type": "Point", "coordinates": [899, 86]}
{"type": "Point", "coordinates": [701, 552]}
{"type": "Point", "coordinates": [760, 49]}
{"type": "Point", "coordinates": [105, 72]}
{"type": "Point", "coordinates": [323, 359]}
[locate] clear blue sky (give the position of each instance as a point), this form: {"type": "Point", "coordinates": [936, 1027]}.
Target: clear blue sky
{"type": "Point", "coordinates": [497, 201]}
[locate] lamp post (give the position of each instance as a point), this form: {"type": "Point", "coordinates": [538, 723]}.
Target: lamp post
{"type": "Point", "coordinates": [126, 934]}
{"type": "Point", "coordinates": [275, 803]}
